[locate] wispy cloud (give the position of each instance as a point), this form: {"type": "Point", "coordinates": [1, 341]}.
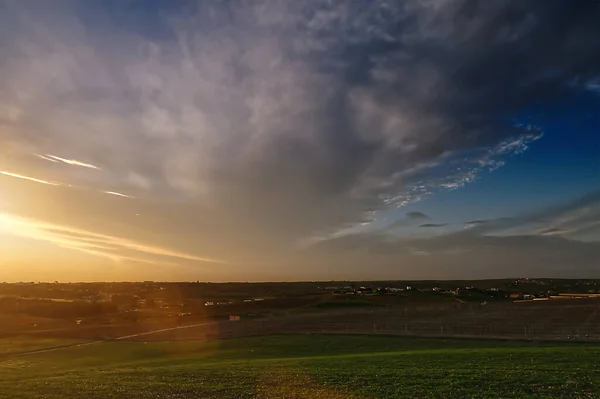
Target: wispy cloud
{"type": "Point", "coordinates": [117, 194]}
{"type": "Point", "coordinates": [29, 178]}
{"type": "Point", "coordinates": [594, 86]}
{"type": "Point", "coordinates": [553, 231]}
{"type": "Point", "coordinates": [578, 219]}
{"type": "Point", "coordinates": [45, 158]}
{"type": "Point", "coordinates": [92, 243]}
{"type": "Point", "coordinates": [475, 222]}
{"type": "Point", "coordinates": [54, 158]}
{"type": "Point", "coordinates": [460, 168]}
{"type": "Point", "coordinates": [53, 183]}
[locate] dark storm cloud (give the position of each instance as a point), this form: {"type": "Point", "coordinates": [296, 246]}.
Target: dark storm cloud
{"type": "Point", "coordinates": [253, 125]}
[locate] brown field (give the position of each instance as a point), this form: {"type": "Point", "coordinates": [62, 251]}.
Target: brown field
{"type": "Point", "coordinates": [539, 320]}
{"type": "Point", "coordinates": [547, 320]}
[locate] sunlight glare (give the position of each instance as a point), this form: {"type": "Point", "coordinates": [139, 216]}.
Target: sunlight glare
{"type": "Point", "coordinates": [7, 224]}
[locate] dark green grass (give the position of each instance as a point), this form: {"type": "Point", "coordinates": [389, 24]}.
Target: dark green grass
{"type": "Point", "coordinates": [20, 344]}
{"type": "Point", "coordinates": [308, 367]}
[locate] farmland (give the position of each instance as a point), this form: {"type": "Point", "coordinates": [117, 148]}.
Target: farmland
{"type": "Point", "coordinates": [308, 366]}
{"type": "Point", "coordinates": [297, 340]}
{"type": "Point", "coordinates": [489, 308]}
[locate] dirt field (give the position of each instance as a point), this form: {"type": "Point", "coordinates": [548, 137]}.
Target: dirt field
{"type": "Point", "coordinates": [556, 320]}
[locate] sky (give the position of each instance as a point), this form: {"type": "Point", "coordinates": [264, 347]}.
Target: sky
{"type": "Point", "coordinates": [309, 140]}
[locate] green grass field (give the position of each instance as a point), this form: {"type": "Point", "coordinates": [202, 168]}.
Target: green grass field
{"type": "Point", "coordinates": [308, 366]}
{"type": "Point", "coordinates": [26, 344]}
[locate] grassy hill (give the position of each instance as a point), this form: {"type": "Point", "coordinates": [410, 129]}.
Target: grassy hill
{"type": "Point", "coordinates": [307, 366]}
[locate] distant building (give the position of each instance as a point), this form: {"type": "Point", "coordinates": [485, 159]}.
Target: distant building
{"type": "Point", "coordinates": [393, 289]}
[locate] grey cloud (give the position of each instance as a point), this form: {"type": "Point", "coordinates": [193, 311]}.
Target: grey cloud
{"type": "Point", "coordinates": [567, 219]}
{"type": "Point", "coordinates": [411, 219]}
{"type": "Point", "coordinates": [561, 241]}
{"type": "Point", "coordinates": [433, 225]}
{"type": "Point", "coordinates": [416, 215]}
{"type": "Point", "coordinates": [553, 231]}
{"type": "Point", "coordinates": [460, 256]}
{"type": "Point", "coordinates": [475, 222]}
{"type": "Point", "coordinates": [271, 122]}
{"type": "Point", "coordinates": [590, 232]}
{"type": "Point", "coordinates": [489, 225]}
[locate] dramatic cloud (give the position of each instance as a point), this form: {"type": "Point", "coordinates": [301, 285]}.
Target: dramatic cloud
{"type": "Point", "coordinates": [251, 127]}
